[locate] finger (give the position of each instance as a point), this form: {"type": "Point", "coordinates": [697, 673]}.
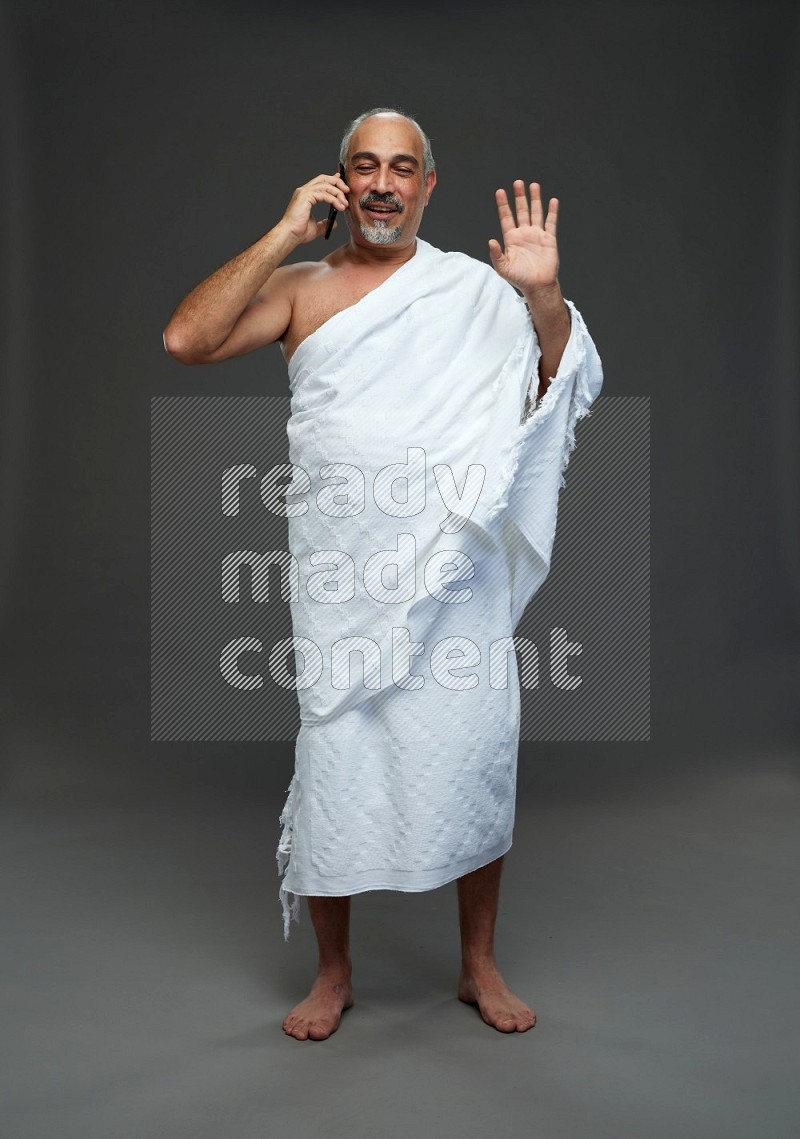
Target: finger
{"type": "Point", "coordinates": [521, 203]}
{"type": "Point", "coordinates": [321, 180]}
{"type": "Point", "coordinates": [336, 190]}
{"type": "Point", "coordinates": [339, 182]}
{"type": "Point", "coordinates": [537, 215]}
{"type": "Point", "coordinates": [325, 192]}
{"type": "Point", "coordinates": [495, 252]}
{"type": "Point", "coordinates": [327, 188]}
{"type": "Point", "coordinates": [552, 217]}
{"type": "Point", "coordinates": [504, 211]}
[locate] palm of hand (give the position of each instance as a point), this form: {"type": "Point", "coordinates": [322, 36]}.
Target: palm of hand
{"type": "Point", "coordinates": [530, 257]}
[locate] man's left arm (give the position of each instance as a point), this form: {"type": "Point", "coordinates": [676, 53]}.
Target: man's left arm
{"type": "Point", "coordinates": [529, 261]}
{"type": "Point", "coordinates": [553, 323]}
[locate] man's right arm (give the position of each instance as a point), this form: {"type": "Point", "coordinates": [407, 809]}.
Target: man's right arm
{"type": "Point", "coordinates": [247, 302]}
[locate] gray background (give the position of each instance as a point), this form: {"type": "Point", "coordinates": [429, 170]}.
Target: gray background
{"type": "Point", "coordinates": [648, 905]}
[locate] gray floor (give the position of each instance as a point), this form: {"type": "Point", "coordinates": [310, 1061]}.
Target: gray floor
{"type": "Point", "coordinates": [648, 913]}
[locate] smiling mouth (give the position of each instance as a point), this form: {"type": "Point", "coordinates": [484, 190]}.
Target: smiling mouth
{"type": "Point", "coordinates": [380, 211]}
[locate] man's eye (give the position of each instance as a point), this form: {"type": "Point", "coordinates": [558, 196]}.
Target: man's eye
{"type": "Point", "coordinates": [404, 170]}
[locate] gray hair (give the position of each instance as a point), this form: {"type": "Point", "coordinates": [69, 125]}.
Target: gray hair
{"type": "Point", "coordinates": [427, 154]}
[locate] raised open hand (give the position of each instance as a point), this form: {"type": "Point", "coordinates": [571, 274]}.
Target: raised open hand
{"type": "Point", "coordinates": [530, 258]}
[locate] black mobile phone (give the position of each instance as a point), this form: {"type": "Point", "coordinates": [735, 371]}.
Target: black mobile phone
{"type": "Point", "coordinates": [333, 211]}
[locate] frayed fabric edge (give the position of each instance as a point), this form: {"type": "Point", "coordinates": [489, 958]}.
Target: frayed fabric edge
{"type": "Point", "coordinates": [580, 405]}
{"type": "Point", "coordinates": [533, 420]}
{"type": "Point", "coordinates": [525, 353]}
{"type": "Point", "coordinates": [289, 909]}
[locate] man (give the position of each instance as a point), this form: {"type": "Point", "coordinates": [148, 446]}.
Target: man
{"type": "Point", "coordinates": [397, 351]}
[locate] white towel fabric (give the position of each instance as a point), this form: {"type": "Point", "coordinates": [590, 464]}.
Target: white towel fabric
{"type": "Point", "coordinates": [406, 779]}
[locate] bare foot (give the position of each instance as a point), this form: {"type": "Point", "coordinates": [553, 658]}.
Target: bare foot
{"type": "Point", "coordinates": [483, 986]}
{"type": "Point", "coordinates": [319, 1014]}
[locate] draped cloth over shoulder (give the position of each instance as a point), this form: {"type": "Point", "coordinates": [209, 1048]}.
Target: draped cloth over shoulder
{"type": "Point", "coordinates": [420, 394]}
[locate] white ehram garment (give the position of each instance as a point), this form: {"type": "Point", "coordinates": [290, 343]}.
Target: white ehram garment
{"type": "Point", "coordinates": [431, 375]}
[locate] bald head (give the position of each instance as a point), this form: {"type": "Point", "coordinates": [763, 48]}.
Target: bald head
{"type": "Point", "coordinates": [387, 114]}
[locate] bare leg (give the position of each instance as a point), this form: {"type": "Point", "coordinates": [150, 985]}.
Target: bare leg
{"type": "Point", "coordinates": [319, 1014]}
{"type": "Point", "coordinates": [480, 982]}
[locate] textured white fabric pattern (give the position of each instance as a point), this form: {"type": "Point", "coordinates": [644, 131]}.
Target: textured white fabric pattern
{"type": "Point", "coordinates": [426, 487]}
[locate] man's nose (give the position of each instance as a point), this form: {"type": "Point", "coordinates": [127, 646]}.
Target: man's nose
{"type": "Point", "coordinates": [382, 182]}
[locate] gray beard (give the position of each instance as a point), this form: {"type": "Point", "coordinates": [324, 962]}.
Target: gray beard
{"type": "Point", "coordinates": [379, 232]}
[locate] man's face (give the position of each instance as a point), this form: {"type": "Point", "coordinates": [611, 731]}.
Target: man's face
{"type": "Point", "coordinates": [387, 190]}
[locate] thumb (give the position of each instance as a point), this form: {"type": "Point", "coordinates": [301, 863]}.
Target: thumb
{"type": "Point", "coordinates": [495, 253]}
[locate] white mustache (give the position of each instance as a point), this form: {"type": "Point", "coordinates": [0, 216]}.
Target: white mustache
{"type": "Point", "coordinates": [371, 201]}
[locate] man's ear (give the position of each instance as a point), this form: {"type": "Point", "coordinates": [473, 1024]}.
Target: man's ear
{"type": "Point", "coordinates": [430, 182]}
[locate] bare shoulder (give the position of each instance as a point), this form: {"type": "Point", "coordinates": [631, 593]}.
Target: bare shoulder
{"type": "Point", "coordinates": [289, 281]}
